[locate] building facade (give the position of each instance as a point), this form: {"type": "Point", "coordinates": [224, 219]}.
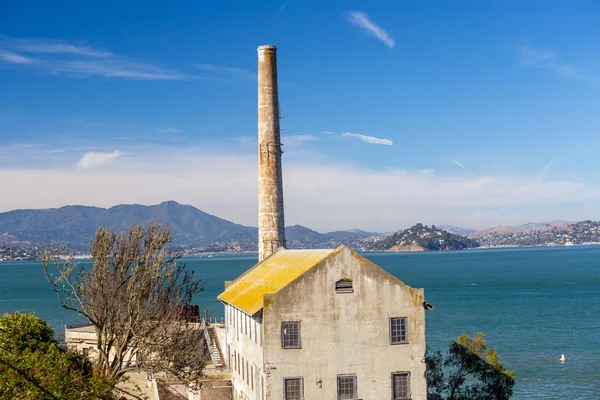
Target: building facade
{"type": "Point", "coordinates": [324, 324]}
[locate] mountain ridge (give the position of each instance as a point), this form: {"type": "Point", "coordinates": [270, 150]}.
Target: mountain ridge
{"type": "Point", "coordinates": [73, 226]}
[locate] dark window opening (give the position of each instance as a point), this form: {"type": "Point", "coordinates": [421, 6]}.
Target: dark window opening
{"type": "Point", "coordinates": [293, 388]}
{"type": "Point", "coordinates": [346, 387]}
{"type": "Point", "coordinates": [344, 286]}
{"type": "Point", "coordinates": [398, 330]}
{"type": "Point", "coordinates": [290, 335]}
{"type": "Point", "coordinates": [401, 386]}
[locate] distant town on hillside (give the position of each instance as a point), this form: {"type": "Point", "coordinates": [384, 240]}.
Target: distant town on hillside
{"type": "Point", "coordinates": [25, 233]}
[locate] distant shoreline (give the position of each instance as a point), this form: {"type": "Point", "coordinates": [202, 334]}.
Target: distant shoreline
{"type": "Point", "coordinates": [250, 253]}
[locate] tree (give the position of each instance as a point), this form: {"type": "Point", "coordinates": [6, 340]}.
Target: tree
{"type": "Point", "coordinates": [135, 295]}
{"type": "Point", "coordinates": [474, 372]}
{"type": "Point", "coordinates": [34, 367]}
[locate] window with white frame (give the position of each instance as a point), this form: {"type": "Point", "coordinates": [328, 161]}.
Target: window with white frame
{"type": "Point", "coordinates": [293, 388]}
{"type": "Point", "coordinates": [398, 330]}
{"type": "Point", "coordinates": [401, 385]}
{"type": "Point", "coordinates": [346, 387]}
{"type": "Point", "coordinates": [290, 335]}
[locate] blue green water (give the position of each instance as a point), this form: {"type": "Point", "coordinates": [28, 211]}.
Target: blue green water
{"type": "Point", "coordinates": [532, 304]}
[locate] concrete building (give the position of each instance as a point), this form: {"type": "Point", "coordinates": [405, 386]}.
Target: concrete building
{"type": "Point", "coordinates": [315, 324]}
{"type": "Point", "coordinates": [324, 324]}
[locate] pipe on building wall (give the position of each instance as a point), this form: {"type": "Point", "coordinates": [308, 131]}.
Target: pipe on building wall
{"type": "Point", "coordinates": [271, 225]}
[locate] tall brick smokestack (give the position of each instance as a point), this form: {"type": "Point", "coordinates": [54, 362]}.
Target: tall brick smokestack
{"type": "Point", "coordinates": [271, 227]}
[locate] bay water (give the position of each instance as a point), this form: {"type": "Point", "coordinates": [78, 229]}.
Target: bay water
{"type": "Point", "coordinates": [532, 304]}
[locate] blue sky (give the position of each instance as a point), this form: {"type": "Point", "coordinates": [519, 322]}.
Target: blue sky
{"type": "Point", "coordinates": [470, 113]}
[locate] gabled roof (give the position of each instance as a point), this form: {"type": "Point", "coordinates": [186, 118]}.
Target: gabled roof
{"type": "Point", "coordinates": [269, 276]}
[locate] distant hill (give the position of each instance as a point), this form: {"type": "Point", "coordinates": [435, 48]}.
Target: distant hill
{"type": "Point", "coordinates": [196, 231]}
{"type": "Point", "coordinates": [74, 226]}
{"type": "Point", "coordinates": [351, 234]}
{"type": "Point", "coordinates": [554, 233]}
{"type": "Point", "coordinates": [423, 238]}
{"type": "Point", "coordinates": [457, 230]}
{"type": "Point", "coordinates": [533, 225]}
{"type": "Point", "coordinates": [299, 236]}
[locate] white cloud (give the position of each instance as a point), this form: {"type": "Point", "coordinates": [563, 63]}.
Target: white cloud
{"type": "Point", "coordinates": [245, 139]}
{"type": "Point", "coordinates": [72, 59]}
{"type": "Point", "coordinates": [56, 47]}
{"type": "Point", "coordinates": [360, 19]}
{"type": "Point", "coordinates": [427, 171]}
{"type": "Point", "coordinates": [229, 72]}
{"type": "Point", "coordinates": [292, 140]}
{"type": "Point", "coordinates": [463, 167]}
{"type": "Point", "coordinates": [547, 59]}
{"type": "Point", "coordinates": [14, 58]}
{"type": "Point", "coordinates": [323, 195]}
{"type": "Point", "coordinates": [368, 139]}
{"type": "Point", "coordinates": [170, 130]}
{"type": "Point", "coordinates": [93, 159]}
{"type": "Point", "coordinates": [327, 133]}
{"type": "Point", "coordinates": [541, 175]}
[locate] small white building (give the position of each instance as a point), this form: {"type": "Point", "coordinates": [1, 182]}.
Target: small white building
{"type": "Point", "coordinates": [324, 324]}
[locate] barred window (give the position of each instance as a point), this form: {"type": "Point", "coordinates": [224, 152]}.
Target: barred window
{"type": "Point", "coordinates": [346, 387]}
{"type": "Point", "coordinates": [398, 330]}
{"type": "Point", "coordinates": [290, 335]}
{"type": "Point", "coordinates": [401, 385]}
{"type": "Point", "coordinates": [344, 286]}
{"type": "Point", "coordinates": [293, 388]}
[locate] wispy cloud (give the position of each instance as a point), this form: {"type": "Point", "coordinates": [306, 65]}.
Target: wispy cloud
{"type": "Point", "coordinates": [244, 139]}
{"type": "Point", "coordinates": [93, 159]}
{"type": "Point", "coordinates": [76, 59]}
{"type": "Point", "coordinates": [361, 20]}
{"type": "Point", "coordinates": [56, 47]}
{"type": "Point", "coordinates": [15, 58]}
{"type": "Point", "coordinates": [293, 140]}
{"type": "Point", "coordinates": [548, 59]}
{"type": "Point", "coordinates": [327, 133]}
{"type": "Point", "coordinates": [369, 139]}
{"type": "Point", "coordinates": [541, 175]}
{"type": "Point", "coordinates": [463, 167]}
{"type": "Point", "coordinates": [427, 171]}
{"type": "Point", "coordinates": [229, 72]}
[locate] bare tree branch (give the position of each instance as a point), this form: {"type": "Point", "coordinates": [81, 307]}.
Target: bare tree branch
{"type": "Point", "coordinates": [135, 294]}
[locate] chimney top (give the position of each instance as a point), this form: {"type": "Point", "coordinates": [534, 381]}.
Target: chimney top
{"type": "Point", "coordinates": [266, 47]}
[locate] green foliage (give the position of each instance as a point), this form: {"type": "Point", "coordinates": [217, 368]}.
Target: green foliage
{"type": "Point", "coordinates": [34, 367]}
{"type": "Point", "coordinates": [429, 238]}
{"type": "Point", "coordinates": [474, 372]}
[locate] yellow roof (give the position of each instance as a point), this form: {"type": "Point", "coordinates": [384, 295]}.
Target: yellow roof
{"type": "Point", "coordinates": [269, 276]}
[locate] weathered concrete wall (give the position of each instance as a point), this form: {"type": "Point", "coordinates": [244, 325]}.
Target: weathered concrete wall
{"type": "Point", "coordinates": [345, 333]}
{"type": "Point", "coordinates": [216, 390]}
{"type": "Point", "coordinates": [244, 339]}
{"type": "Point", "coordinates": [271, 226]}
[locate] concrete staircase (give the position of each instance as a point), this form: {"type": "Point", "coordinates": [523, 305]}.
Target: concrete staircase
{"type": "Point", "coordinates": [212, 342]}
